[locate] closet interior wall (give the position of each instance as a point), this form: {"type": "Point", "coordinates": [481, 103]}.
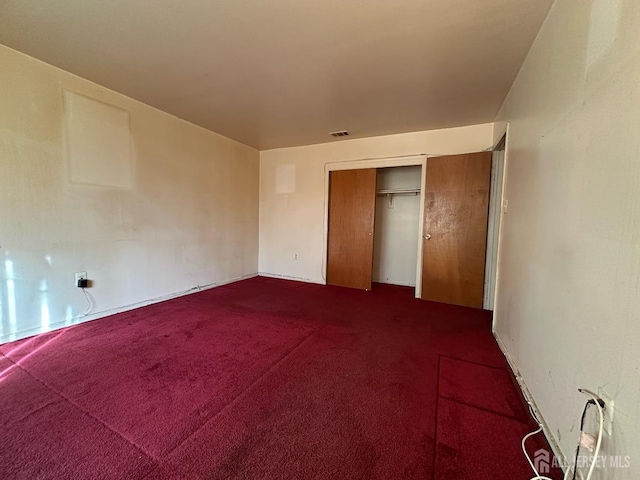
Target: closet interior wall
{"type": "Point", "coordinates": [397, 223]}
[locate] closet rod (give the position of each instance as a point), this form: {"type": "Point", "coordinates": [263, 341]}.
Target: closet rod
{"type": "Point", "coordinates": [399, 191]}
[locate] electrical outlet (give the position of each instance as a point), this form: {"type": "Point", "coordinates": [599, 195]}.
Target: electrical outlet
{"type": "Point", "coordinates": [80, 276]}
{"type": "Point", "coordinates": [295, 256]}
{"type": "Point", "coordinates": [609, 410]}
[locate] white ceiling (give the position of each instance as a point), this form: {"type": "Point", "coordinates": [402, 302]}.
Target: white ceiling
{"type": "Point", "coordinates": [274, 73]}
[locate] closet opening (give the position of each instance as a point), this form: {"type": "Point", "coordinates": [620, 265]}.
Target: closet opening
{"type": "Point", "coordinates": [359, 194]}
{"type": "Point", "coordinates": [416, 222]}
{"type": "Point", "coordinates": [397, 225]}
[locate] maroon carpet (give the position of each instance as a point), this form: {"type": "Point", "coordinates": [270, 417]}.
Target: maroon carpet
{"type": "Point", "coordinates": [265, 379]}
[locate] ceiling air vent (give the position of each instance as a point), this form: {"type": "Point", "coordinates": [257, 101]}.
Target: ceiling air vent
{"type": "Point", "coordinates": [341, 133]}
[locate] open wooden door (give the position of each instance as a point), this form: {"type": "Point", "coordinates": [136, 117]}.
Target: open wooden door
{"type": "Point", "coordinates": [455, 228]}
{"type": "Point", "coordinates": [352, 204]}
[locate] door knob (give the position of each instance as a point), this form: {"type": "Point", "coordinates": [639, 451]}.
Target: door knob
{"type": "Point", "coordinates": [427, 236]}
{"type": "Point", "coordinates": [369, 233]}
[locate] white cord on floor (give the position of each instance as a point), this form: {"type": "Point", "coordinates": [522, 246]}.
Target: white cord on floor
{"type": "Point", "coordinates": [524, 450]}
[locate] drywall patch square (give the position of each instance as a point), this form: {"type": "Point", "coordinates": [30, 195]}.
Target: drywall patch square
{"type": "Point", "coordinates": [98, 141]}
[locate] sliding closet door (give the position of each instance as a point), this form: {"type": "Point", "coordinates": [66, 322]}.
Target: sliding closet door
{"type": "Point", "coordinates": [352, 203]}
{"type": "Point", "coordinates": [455, 228]}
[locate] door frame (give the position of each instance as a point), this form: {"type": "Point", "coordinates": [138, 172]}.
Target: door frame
{"type": "Point", "coordinates": [501, 143]}
{"type": "Point", "coordinates": [402, 161]}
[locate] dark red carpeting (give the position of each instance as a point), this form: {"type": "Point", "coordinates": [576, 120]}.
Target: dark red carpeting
{"type": "Point", "coordinates": [266, 379]}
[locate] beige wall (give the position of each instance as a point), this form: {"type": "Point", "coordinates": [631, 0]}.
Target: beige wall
{"type": "Point", "coordinates": [568, 304]}
{"type": "Point", "coordinates": [186, 216]}
{"type": "Point", "coordinates": [292, 222]}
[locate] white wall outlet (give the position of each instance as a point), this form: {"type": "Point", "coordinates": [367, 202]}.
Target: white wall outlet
{"type": "Point", "coordinates": [295, 256]}
{"type": "Point", "coordinates": [609, 410]}
{"type": "Point", "coordinates": [505, 206]}
{"type": "Point", "coordinates": [80, 276]}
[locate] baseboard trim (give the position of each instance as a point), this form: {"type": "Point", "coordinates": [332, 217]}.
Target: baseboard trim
{"type": "Point", "coordinates": [112, 311]}
{"type": "Point", "coordinates": [397, 283]}
{"type": "Point", "coordinates": [289, 277]}
{"type": "Point", "coordinates": [553, 443]}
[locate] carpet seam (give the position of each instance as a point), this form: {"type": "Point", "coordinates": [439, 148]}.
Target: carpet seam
{"type": "Point", "coordinates": [24, 417]}
{"type": "Point", "coordinates": [483, 409]}
{"type": "Point", "coordinates": [474, 363]}
{"type": "Point", "coordinates": [507, 371]}
{"type": "Point", "coordinates": [90, 415]}
{"type": "Point", "coordinates": [15, 365]}
{"type": "Point", "coordinates": [243, 392]}
{"type": "Point", "coordinates": [435, 427]}
{"type": "Point", "coordinates": [236, 398]}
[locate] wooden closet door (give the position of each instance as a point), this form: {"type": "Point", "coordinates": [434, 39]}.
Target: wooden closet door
{"type": "Point", "coordinates": [455, 228]}
{"type": "Point", "coordinates": [352, 204]}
